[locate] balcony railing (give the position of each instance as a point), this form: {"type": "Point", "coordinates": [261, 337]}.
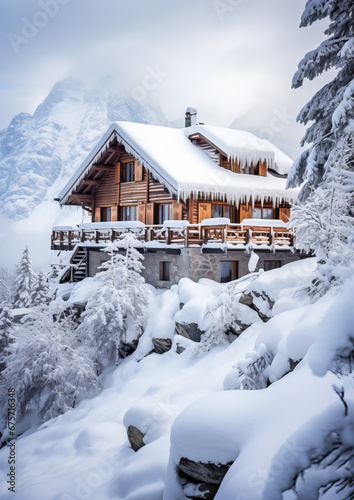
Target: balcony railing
{"type": "Point", "coordinates": [258, 233]}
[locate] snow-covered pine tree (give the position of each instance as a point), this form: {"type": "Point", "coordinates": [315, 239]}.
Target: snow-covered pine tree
{"type": "Point", "coordinates": [41, 292]}
{"type": "Point", "coordinates": [7, 284]}
{"type": "Point", "coordinates": [6, 332]}
{"type": "Point", "coordinates": [24, 281]}
{"type": "Point", "coordinates": [323, 216]}
{"type": "Point", "coordinates": [324, 223]}
{"type": "Point", "coordinates": [137, 295]}
{"type": "Point", "coordinates": [115, 316]}
{"type": "Point", "coordinates": [47, 365]}
{"type": "Point", "coordinates": [331, 108]}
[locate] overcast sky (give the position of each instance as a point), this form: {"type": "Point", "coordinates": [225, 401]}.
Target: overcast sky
{"type": "Point", "coordinates": [231, 59]}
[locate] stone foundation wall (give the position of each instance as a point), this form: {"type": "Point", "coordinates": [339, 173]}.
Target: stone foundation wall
{"type": "Point", "coordinates": [193, 264]}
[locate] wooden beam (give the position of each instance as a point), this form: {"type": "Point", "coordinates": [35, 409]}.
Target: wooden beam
{"type": "Point", "coordinates": [101, 168]}
{"type": "Point", "coordinates": [115, 148]}
{"type": "Point", "coordinates": [109, 158]}
{"type": "Point", "coordinates": [91, 182]}
{"type": "Point", "coordinates": [82, 198]}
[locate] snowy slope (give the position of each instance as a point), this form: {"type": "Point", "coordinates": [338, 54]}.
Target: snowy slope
{"type": "Point", "coordinates": [41, 150]}
{"type": "Point", "coordinates": [85, 453]}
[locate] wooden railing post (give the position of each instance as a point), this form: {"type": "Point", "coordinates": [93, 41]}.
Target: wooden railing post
{"type": "Point", "coordinates": [271, 237]}
{"type": "Point", "coordinates": [248, 236]}
{"type": "Point", "coordinates": [224, 233]}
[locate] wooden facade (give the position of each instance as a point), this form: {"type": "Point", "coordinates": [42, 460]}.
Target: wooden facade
{"type": "Point", "coordinates": [120, 188]}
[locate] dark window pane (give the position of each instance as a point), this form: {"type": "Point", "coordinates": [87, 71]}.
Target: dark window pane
{"type": "Point", "coordinates": [268, 265]}
{"type": "Point", "coordinates": [164, 271]}
{"type": "Point", "coordinates": [228, 271]}
{"type": "Point", "coordinates": [218, 211]}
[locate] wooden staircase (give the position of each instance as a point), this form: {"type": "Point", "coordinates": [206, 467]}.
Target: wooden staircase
{"type": "Point", "coordinates": [78, 263]}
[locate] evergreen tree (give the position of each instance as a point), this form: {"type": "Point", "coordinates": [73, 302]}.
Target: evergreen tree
{"type": "Point", "coordinates": [331, 108]}
{"type": "Point", "coordinates": [24, 281]}
{"type": "Point", "coordinates": [324, 223]}
{"type": "Point", "coordinates": [41, 292]}
{"type": "Point", "coordinates": [115, 316]}
{"type": "Point", "coordinates": [6, 332]}
{"type": "Point", "coordinates": [323, 216]}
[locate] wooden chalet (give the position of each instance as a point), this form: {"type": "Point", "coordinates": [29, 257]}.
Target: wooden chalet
{"type": "Point", "coordinates": [176, 183]}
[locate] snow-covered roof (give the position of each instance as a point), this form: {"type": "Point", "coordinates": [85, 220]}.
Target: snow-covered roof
{"type": "Point", "coordinates": [244, 147]}
{"type": "Point", "coordinates": [186, 169]}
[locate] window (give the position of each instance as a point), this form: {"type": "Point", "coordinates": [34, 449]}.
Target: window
{"type": "Point", "coordinates": [105, 214]}
{"type": "Point", "coordinates": [164, 271]}
{"type": "Point", "coordinates": [262, 213]}
{"type": "Point", "coordinates": [268, 265]}
{"type": "Point", "coordinates": [129, 213]}
{"type": "Point", "coordinates": [228, 271]}
{"type": "Point", "coordinates": [164, 212]}
{"type": "Point", "coordinates": [128, 171]}
{"type": "Point", "coordinates": [221, 211]}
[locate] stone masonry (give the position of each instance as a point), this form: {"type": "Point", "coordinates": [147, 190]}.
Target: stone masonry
{"type": "Point", "coordinates": [193, 264]}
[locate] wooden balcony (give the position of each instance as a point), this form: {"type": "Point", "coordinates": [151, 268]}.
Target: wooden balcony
{"type": "Point", "coordinates": [185, 235]}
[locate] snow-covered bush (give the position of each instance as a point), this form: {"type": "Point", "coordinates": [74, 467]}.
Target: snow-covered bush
{"type": "Point", "coordinates": [250, 373]}
{"type": "Point", "coordinates": [225, 317]}
{"type": "Point", "coordinates": [114, 318]}
{"type": "Point", "coordinates": [47, 366]}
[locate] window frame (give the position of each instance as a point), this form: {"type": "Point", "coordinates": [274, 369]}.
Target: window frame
{"type": "Point", "coordinates": [128, 171]}
{"type": "Point", "coordinates": [233, 270]}
{"type": "Point", "coordinates": [127, 208]}
{"type": "Point", "coordinates": [257, 207]}
{"type": "Point", "coordinates": [160, 212]}
{"type": "Point", "coordinates": [270, 265]}
{"type": "Point", "coordinates": [224, 208]}
{"type": "Point", "coordinates": [105, 214]}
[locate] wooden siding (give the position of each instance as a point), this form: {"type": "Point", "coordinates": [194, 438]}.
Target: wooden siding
{"type": "Point", "coordinates": [158, 192]}
{"type": "Point", "coordinates": [106, 192]}
{"type": "Point", "coordinates": [132, 192]}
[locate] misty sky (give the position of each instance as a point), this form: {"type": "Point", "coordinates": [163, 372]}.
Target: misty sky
{"type": "Point", "coordinates": [231, 59]}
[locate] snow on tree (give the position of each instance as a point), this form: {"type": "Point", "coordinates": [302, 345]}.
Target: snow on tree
{"type": "Point", "coordinates": [331, 108]}
{"type": "Point", "coordinates": [41, 291]}
{"type": "Point", "coordinates": [323, 216]}
{"type": "Point", "coordinates": [225, 317]}
{"type": "Point", "coordinates": [115, 317]}
{"type": "Point", "coordinates": [324, 223]}
{"type": "Point", "coordinates": [250, 373]}
{"type": "Point", "coordinates": [7, 284]}
{"type": "Point", "coordinates": [47, 365]}
{"type": "Point", "coordinates": [6, 332]}
{"type": "Point", "coordinates": [24, 281]}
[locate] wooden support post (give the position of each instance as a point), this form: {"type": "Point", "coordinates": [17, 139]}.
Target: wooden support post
{"type": "Point", "coordinates": [248, 236]}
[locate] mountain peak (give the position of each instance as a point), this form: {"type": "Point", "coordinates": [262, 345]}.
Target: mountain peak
{"type": "Point", "coordinates": [45, 148]}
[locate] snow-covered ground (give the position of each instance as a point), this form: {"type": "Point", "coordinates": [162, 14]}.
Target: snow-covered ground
{"type": "Point", "coordinates": [188, 404]}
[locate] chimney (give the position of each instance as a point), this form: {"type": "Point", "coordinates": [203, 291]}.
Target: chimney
{"type": "Point", "coordinates": [190, 118]}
